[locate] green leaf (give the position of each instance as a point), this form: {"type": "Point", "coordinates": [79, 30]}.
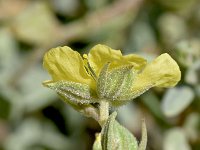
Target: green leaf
{"type": "Point", "coordinates": [8, 55]}
{"type": "Point", "coordinates": [187, 52]}
{"type": "Point", "coordinates": [116, 137]}
{"type": "Point", "coordinates": [176, 100]}
{"type": "Point", "coordinates": [175, 139]}
{"type": "Point", "coordinates": [5, 108]}
{"type": "Point", "coordinates": [151, 100]}
{"type": "Point", "coordinates": [191, 126]}
{"type": "Point", "coordinates": [192, 76]}
{"type": "Point", "coordinates": [197, 90]}
{"type": "Point", "coordinates": [74, 92]}
{"type": "Point", "coordinates": [36, 25]}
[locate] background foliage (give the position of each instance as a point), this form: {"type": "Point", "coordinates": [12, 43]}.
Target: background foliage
{"type": "Point", "coordinates": [32, 117]}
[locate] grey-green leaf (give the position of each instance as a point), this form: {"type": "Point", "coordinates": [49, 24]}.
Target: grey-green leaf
{"type": "Point", "coordinates": [176, 100]}
{"type": "Point", "coordinates": [175, 139]}
{"type": "Point", "coordinates": [192, 76]}
{"type": "Point", "coordinates": [116, 137]}
{"type": "Point", "coordinates": [75, 92]}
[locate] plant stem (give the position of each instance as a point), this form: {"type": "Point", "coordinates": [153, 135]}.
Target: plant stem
{"type": "Point", "coordinates": [103, 112]}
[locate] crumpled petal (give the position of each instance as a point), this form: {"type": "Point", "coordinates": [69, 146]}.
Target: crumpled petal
{"type": "Point", "coordinates": [137, 61]}
{"type": "Point", "coordinates": [63, 63]}
{"type": "Point", "coordinates": [162, 72]}
{"type": "Point", "coordinates": [99, 55]}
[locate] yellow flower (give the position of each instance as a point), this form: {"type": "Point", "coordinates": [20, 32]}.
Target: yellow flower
{"type": "Point", "coordinates": [64, 64]}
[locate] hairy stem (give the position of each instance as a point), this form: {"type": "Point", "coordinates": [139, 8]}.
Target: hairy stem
{"type": "Point", "coordinates": [103, 112]}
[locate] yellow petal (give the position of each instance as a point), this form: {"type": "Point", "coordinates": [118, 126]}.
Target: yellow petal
{"type": "Point", "coordinates": [135, 60]}
{"type": "Point", "coordinates": [101, 54]}
{"type": "Point", "coordinates": [63, 63]}
{"type": "Point", "coordinates": [162, 72]}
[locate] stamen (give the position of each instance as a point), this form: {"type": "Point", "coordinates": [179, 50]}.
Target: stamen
{"type": "Point", "coordinates": [88, 67]}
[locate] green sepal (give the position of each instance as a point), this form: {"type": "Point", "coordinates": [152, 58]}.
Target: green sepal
{"type": "Point", "coordinates": [87, 110]}
{"type": "Point", "coordinates": [114, 84]}
{"type": "Point", "coordinates": [102, 81]}
{"type": "Point", "coordinates": [74, 92]}
{"type": "Point", "coordinates": [116, 137]}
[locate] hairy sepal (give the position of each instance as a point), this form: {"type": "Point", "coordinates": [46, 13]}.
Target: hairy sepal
{"type": "Point", "coordinates": [115, 84]}
{"type": "Point", "coordinates": [74, 92]}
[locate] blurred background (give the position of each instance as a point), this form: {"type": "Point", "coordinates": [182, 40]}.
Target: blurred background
{"type": "Point", "coordinates": [33, 118]}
